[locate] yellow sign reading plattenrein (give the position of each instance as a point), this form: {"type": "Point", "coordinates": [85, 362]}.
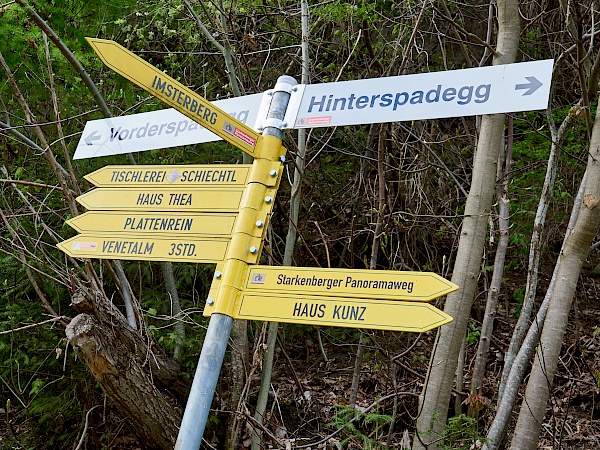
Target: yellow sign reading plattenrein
{"type": "Point", "coordinates": [155, 223]}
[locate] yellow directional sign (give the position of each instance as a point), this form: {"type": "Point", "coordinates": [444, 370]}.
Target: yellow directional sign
{"type": "Point", "coordinates": [163, 248]}
{"type": "Point", "coordinates": [340, 312]}
{"type": "Point", "coordinates": [154, 223]}
{"type": "Point", "coordinates": [159, 199]}
{"type": "Point", "coordinates": [178, 176]}
{"type": "Point", "coordinates": [175, 94]}
{"type": "Point", "coordinates": [350, 283]}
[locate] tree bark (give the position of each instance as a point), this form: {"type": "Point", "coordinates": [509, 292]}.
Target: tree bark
{"type": "Point", "coordinates": [576, 249]}
{"type": "Point", "coordinates": [153, 414]}
{"type": "Point", "coordinates": [535, 250]}
{"type": "Point", "coordinates": [496, 284]}
{"type": "Point", "coordinates": [506, 403]}
{"type": "Point", "coordinates": [442, 365]}
{"type": "Point", "coordinates": [163, 370]}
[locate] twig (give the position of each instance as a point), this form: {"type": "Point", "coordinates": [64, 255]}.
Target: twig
{"type": "Point", "coordinates": [395, 358]}
{"type": "Point", "coordinates": [408, 369]}
{"type": "Point", "coordinates": [260, 426]}
{"type": "Point", "coordinates": [12, 432]}
{"type": "Point", "coordinates": [33, 325]}
{"type": "Point", "coordinates": [349, 56]}
{"type": "Point", "coordinates": [31, 183]}
{"type": "Point", "coordinates": [473, 36]}
{"type": "Point", "coordinates": [289, 361]}
{"type": "Point", "coordinates": [85, 427]}
{"type": "Point", "coordinates": [324, 243]}
{"type": "Point", "coordinates": [287, 217]}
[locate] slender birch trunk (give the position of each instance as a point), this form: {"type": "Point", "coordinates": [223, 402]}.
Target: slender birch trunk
{"type": "Point", "coordinates": [576, 249]}
{"type": "Point", "coordinates": [290, 242]}
{"type": "Point", "coordinates": [506, 404]}
{"type": "Point", "coordinates": [442, 365]}
{"type": "Point", "coordinates": [534, 250]}
{"type": "Point", "coordinates": [495, 286]}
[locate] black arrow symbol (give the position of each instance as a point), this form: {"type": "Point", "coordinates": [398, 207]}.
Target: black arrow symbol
{"type": "Point", "coordinates": [533, 85]}
{"type": "Point", "coordinates": [89, 140]}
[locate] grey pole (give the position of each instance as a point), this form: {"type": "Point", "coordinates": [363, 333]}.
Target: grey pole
{"type": "Point", "coordinates": [205, 382]}
{"type": "Point", "coordinates": [219, 327]}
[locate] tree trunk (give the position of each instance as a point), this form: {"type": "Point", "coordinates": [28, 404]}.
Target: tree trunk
{"type": "Point", "coordinates": [290, 241]}
{"type": "Point", "coordinates": [153, 414]}
{"type": "Point", "coordinates": [506, 403]}
{"type": "Point", "coordinates": [576, 249]}
{"type": "Point", "coordinates": [495, 286]}
{"type": "Point", "coordinates": [442, 365]}
{"type": "Point", "coordinates": [535, 250]}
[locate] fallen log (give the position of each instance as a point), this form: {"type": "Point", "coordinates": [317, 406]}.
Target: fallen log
{"type": "Point", "coordinates": [122, 364]}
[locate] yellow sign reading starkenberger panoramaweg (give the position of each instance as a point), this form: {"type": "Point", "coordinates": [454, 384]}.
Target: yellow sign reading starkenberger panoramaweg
{"type": "Point", "coordinates": [350, 283]}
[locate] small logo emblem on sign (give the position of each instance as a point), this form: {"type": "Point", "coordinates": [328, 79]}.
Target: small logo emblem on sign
{"type": "Point", "coordinates": [228, 128]}
{"type": "Point", "coordinates": [322, 120]}
{"type": "Point", "coordinates": [317, 120]}
{"type": "Point", "coordinates": [84, 246]}
{"type": "Point", "coordinates": [174, 176]}
{"type": "Point", "coordinates": [258, 278]}
{"type": "Point", "coordinates": [236, 132]}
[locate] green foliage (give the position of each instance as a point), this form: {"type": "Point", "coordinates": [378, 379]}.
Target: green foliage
{"type": "Point", "coordinates": [530, 155]}
{"type": "Point", "coordinates": [422, 359]}
{"type": "Point", "coordinates": [461, 433]}
{"type": "Point", "coordinates": [519, 296]}
{"type": "Point", "coordinates": [44, 398]}
{"type": "Point", "coordinates": [473, 332]}
{"type": "Point", "coordinates": [356, 423]}
{"type": "Point", "coordinates": [192, 281]}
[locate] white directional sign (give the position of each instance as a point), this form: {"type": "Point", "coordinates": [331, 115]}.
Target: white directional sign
{"type": "Point", "coordinates": [157, 129]}
{"type": "Point", "coordinates": [455, 93]}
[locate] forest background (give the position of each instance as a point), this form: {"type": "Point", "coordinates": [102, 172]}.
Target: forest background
{"type": "Point", "coordinates": [91, 352]}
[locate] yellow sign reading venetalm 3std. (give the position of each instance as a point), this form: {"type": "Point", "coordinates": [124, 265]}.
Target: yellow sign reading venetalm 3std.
{"type": "Point", "coordinates": [351, 283]}
{"type": "Point", "coordinates": [146, 248]}
{"type": "Point", "coordinates": [341, 312]}
{"type": "Point", "coordinates": [175, 94]}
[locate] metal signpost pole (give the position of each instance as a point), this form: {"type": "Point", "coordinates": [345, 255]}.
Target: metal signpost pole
{"type": "Point", "coordinates": [219, 328]}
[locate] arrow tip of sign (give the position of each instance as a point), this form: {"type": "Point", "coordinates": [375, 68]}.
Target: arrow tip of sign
{"type": "Point", "coordinates": [95, 44]}
{"type": "Point", "coordinates": [91, 41]}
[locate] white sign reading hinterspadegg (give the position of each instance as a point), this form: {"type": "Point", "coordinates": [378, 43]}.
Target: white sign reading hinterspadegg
{"type": "Point", "coordinates": [455, 93]}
